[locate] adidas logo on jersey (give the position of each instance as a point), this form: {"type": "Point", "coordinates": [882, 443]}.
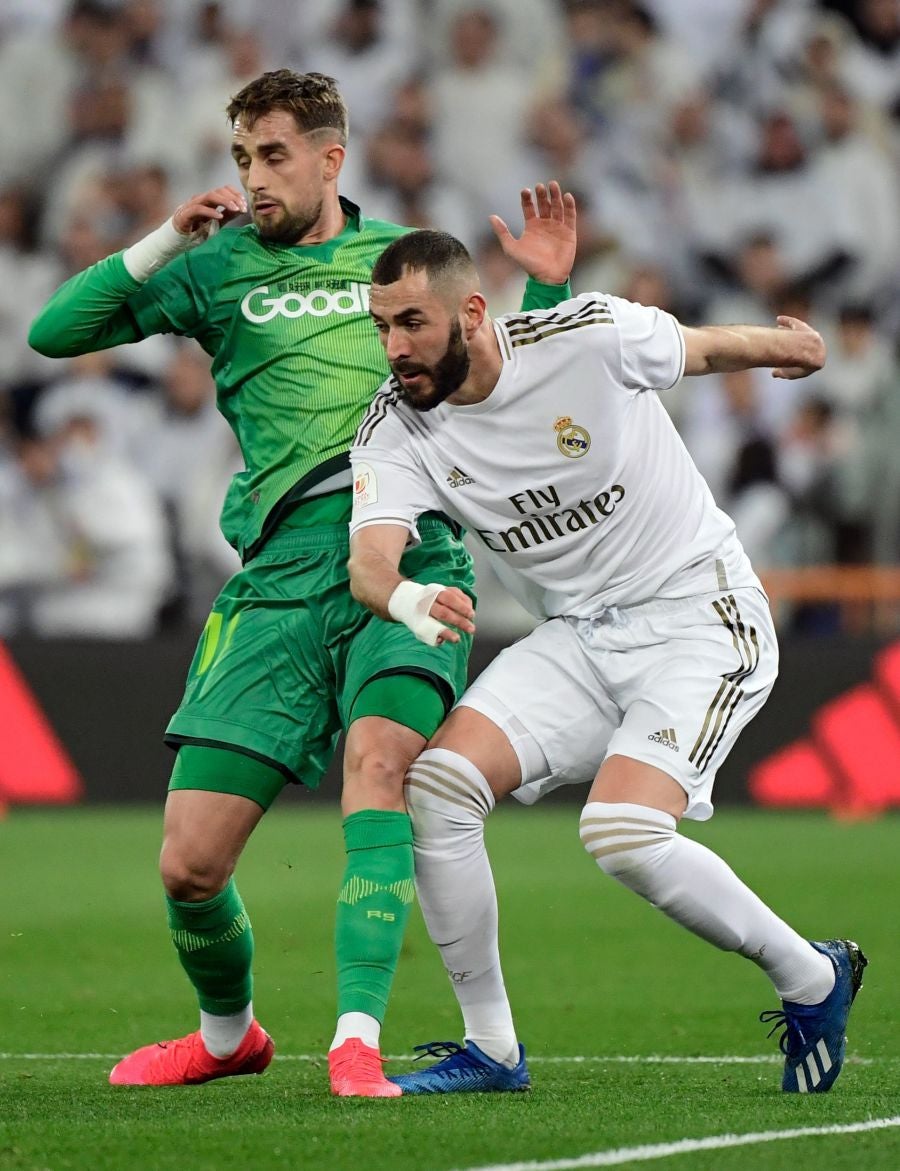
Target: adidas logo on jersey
{"type": "Point", "coordinates": [666, 738]}
{"type": "Point", "coordinates": [459, 479]}
{"type": "Point", "coordinates": [258, 307]}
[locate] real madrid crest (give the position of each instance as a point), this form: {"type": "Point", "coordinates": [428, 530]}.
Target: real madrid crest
{"type": "Point", "coordinates": [573, 441]}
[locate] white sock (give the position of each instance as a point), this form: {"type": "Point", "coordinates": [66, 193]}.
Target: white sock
{"type": "Point", "coordinates": [640, 847]}
{"type": "Point", "coordinates": [223, 1034]}
{"type": "Point", "coordinates": [357, 1024]}
{"type": "Point", "coordinates": [448, 800]}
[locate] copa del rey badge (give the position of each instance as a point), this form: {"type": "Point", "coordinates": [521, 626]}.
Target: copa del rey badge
{"type": "Point", "coordinates": [573, 441]}
{"type": "Point", "coordinates": [365, 486]}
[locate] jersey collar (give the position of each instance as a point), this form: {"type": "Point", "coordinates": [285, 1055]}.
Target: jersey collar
{"type": "Point", "coordinates": [355, 217]}
{"type": "Point", "coordinates": [325, 251]}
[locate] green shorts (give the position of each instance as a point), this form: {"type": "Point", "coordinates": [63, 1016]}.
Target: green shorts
{"type": "Point", "coordinates": [286, 650]}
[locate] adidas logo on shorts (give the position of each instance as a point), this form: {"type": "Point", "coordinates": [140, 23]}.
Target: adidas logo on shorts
{"type": "Point", "coordinates": [666, 738]}
{"type": "Point", "coordinates": [459, 479]}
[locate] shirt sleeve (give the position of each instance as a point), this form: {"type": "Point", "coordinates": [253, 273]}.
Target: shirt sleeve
{"type": "Point", "coordinates": [88, 312]}
{"type": "Point", "coordinates": [651, 345]}
{"type": "Point", "coordinates": [173, 300]}
{"type": "Point", "coordinates": [105, 306]}
{"type": "Point", "coordinates": [390, 486]}
{"type": "Point", "coordinates": [540, 296]}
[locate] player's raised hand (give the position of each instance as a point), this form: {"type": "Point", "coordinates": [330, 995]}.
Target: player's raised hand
{"type": "Point", "coordinates": [455, 607]}
{"type": "Point", "coordinates": [546, 248]}
{"type": "Point", "coordinates": [201, 212]}
{"type": "Point", "coordinates": [807, 355]}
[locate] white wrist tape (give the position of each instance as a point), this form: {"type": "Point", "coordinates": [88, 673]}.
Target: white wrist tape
{"type": "Point", "coordinates": [162, 245]}
{"type": "Point", "coordinates": [410, 603]}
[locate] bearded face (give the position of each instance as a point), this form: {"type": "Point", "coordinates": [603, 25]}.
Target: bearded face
{"type": "Point", "coordinates": [425, 386]}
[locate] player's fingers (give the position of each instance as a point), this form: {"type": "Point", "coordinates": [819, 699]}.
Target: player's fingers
{"type": "Point", "coordinates": [528, 210]}
{"type": "Point", "coordinates": [501, 231]}
{"type": "Point", "coordinates": [238, 197]}
{"type": "Point", "coordinates": [191, 216]}
{"type": "Point", "coordinates": [554, 191]}
{"type": "Point", "coordinates": [570, 211]}
{"type": "Point", "coordinates": [447, 635]}
{"type": "Point", "coordinates": [454, 614]}
{"type": "Point", "coordinates": [223, 197]}
{"type": "Point", "coordinates": [457, 600]}
{"type": "Point", "coordinates": [226, 198]}
{"type": "Point", "coordinates": [543, 201]}
{"type": "Point", "coordinates": [785, 322]}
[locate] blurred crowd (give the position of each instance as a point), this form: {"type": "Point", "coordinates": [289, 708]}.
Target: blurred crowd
{"type": "Point", "coordinates": [732, 159]}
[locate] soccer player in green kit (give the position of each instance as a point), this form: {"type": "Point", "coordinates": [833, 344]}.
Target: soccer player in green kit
{"type": "Point", "coordinates": [287, 657]}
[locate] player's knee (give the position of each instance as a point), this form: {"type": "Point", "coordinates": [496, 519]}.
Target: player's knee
{"type": "Point", "coordinates": [191, 877]}
{"type": "Point", "coordinates": [624, 840]}
{"type": "Point", "coordinates": [375, 763]}
{"type": "Point", "coordinates": [446, 796]}
{"type": "Point", "coordinates": [373, 779]}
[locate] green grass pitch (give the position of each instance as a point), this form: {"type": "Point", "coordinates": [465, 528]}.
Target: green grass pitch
{"type": "Point", "coordinates": [593, 973]}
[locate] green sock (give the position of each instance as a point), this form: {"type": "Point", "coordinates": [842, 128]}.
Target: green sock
{"type": "Point", "coordinates": [373, 908]}
{"type": "Point", "coordinates": [214, 942]}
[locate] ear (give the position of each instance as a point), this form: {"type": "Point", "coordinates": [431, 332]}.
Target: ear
{"type": "Point", "coordinates": [332, 161]}
{"type": "Point", "coordinates": [474, 309]}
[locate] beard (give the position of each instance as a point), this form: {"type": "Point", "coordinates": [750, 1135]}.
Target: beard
{"type": "Point", "coordinates": [287, 227]}
{"type": "Point", "coordinates": [446, 375]}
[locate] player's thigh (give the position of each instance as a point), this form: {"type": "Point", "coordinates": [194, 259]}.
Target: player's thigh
{"type": "Point", "coordinates": [625, 779]}
{"type": "Point", "coordinates": [262, 679]}
{"type": "Point", "coordinates": [542, 694]}
{"type": "Point", "coordinates": [488, 744]}
{"type": "Point", "coordinates": [693, 678]}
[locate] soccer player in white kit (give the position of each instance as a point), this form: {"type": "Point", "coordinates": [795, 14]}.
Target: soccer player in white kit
{"type": "Point", "coordinates": [543, 434]}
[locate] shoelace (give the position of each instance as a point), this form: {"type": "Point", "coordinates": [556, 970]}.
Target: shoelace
{"type": "Point", "coordinates": [779, 1020]}
{"type": "Point", "coordinates": [438, 1049]}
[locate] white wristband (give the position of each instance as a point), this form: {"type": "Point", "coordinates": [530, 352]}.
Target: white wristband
{"type": "Point", "coordinates": [162, 245]}
{"type": "Point", "coordinates": [410, 604]}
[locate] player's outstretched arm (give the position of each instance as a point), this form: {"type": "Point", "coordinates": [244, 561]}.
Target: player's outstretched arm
{"type": "Point", "coordinates": [794, 348]}
{"type": "Point", "coordinates": [546, 247]}
{"type": "Point", "coordinates": [375, 580]}
{"type": "Point", "coordinates": [88, 312]}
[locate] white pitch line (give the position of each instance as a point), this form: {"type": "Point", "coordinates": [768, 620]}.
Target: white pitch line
{"type": "Point", "coordinates": [643, 1154]}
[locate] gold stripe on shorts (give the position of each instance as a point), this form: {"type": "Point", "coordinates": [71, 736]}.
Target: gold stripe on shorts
{"type": "Point", "coordinates": [729, 694]}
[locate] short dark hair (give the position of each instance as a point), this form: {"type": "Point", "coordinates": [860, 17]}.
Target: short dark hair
{"type": "Point", "coordinates": [312, 98]}
{"type": "Point", "coordinates": [438, 254]}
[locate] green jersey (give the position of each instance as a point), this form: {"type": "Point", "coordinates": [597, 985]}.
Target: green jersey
{"type": "Point", "coordinates": [296, 360]}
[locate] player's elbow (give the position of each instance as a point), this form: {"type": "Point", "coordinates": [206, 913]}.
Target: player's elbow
{"type": "Point", "coordinates": [46, 340]}
{"type": "Point", "coordinates": [700, 346]}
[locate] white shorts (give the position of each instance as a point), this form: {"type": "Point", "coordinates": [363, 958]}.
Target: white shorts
{"type": "Point", "coordinates": [668, 682]}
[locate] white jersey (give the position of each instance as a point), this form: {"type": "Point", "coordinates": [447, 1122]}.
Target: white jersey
{"type": "Point", "coordinates": [570, 472]}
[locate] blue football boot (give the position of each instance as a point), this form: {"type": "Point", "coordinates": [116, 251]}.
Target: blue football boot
{"type": "Point", "coordinates": [463, 1070]}
{"type": "Point", "coordinates": [814, 1036]}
